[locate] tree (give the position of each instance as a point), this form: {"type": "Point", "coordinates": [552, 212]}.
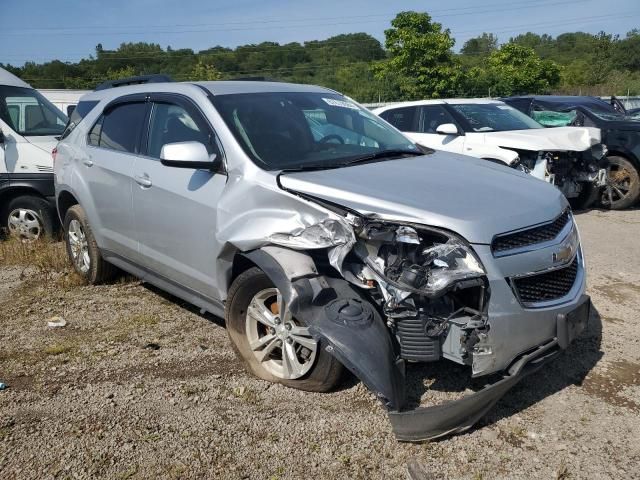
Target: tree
{"type": "Point", "coordinates": [420, 57]}
{"type": "Point", "coordinates": [481, 45]}
{"type": "Point", "coordinates": [203, 72]}
{"type": "Point", "coordinates": [514, 69]}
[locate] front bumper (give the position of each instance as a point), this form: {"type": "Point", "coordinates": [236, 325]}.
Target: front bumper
{"type": "Point", "coordinates": [428, 423]}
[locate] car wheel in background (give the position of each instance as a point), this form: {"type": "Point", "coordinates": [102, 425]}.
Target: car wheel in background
{"type": "Point", "coordinates": [29, 218]}
{"type": "Point", "coordinates": [623, 184]}
{"type": "Point", "coordinates": [273, 345]}
{"type": "Point", "coordinates": [82, 248]}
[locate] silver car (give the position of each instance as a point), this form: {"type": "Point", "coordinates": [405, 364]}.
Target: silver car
{"type": "Point", "coordinates": [324, 237]}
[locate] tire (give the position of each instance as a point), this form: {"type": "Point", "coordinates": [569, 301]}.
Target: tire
{"type": "Point", "coordinates": [623, 184]}
{"type": "Point", "coordinates": [324, 371]}
{"type": "Point", "coordinates": [587, 197]}
{"type": "Point", "coordinates": [83, 250]}
{"type": "Point", "coordinates": [30, 218]}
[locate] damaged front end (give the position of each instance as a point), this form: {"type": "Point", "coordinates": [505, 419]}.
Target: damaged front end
{"type": "Point", "coordinates": [381, 294]}
{"type": "Point", "coordinates": [572, 172]}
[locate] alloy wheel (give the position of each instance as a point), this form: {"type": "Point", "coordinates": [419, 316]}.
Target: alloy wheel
{"type": "Point", "coordinates": [279, 343]}
{"type": "Point", "coordinates": [79, 246]}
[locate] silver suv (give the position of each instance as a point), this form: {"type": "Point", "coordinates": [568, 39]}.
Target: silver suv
{"type": "Point", "coordinates": [324, 237]}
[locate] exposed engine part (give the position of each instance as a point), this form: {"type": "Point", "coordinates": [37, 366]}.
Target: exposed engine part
{"type": "Point", "coordinates": [567, 170]}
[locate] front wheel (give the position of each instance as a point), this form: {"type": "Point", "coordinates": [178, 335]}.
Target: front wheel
{"type": "Point", "coordinates": [623, 184]}
{"type": "Point", "coordinates": [273, 344]}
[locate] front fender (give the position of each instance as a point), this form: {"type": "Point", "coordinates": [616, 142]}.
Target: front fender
{"type": "Point", "coordinates": [353, 330]}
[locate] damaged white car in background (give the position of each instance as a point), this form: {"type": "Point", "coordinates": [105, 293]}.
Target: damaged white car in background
{"type": "Point", "coordinates": [573, 159]}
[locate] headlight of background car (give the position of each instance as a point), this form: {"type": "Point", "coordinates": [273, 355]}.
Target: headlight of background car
{"type": "Point", "coordinates": [424, 261]}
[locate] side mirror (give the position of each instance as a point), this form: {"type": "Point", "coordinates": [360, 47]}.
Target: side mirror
{"type": "Point", "coordinates": [188, 155]}
{"type": "Point", "coordinates": [447, 129]}
{"type": "Point", "coordinates": [70, 110]}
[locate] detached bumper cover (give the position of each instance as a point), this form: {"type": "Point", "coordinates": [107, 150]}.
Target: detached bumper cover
{"type": "Point", "coordinates": [428, 423]}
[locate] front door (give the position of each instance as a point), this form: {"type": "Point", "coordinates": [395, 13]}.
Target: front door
{"type": "Point", "coordinates": [175, 208]}
{"type": "Point", "coordinates": [431, 117]}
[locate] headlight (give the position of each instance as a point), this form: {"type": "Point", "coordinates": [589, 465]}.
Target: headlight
{"type": "Point", "coordinates": [425, 261]}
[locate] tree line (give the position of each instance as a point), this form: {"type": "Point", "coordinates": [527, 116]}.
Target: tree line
{"type": "Point", "coordinates": [417, 60]}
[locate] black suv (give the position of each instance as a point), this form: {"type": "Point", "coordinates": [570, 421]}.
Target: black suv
{"type": "Point", "coordinates": [620, 133]}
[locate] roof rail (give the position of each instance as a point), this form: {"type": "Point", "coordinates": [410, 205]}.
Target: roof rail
{"type": "Point", "coordinates": [139, 80]}
{"type": "Point", "coordinates": [254, 79]}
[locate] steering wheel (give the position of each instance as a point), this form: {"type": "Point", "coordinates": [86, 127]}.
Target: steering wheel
{"type": "Point", "coordinates": [333, 136]}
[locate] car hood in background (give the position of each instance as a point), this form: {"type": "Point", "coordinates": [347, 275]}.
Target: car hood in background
{"type": "Point", "coordinates": [45, 142]}
{"type": "Point", "coordinates": [474, 198]}
{"type": "Point", "coordinates": [576, 139]}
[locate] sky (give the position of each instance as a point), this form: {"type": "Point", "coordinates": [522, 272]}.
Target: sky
{"type": "Point", "coordinates": [68, 30]}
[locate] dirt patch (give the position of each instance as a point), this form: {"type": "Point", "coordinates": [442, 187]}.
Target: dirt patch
{"type": "Point", "coordinates": [620, 292]}
{"type": "Point", "coordinates": [610, 384]}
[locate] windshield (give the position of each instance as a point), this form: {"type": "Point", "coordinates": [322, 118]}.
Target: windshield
{"type": "Point", "coordinates": [494, 117]}
{"type": "Point", "coordinates": [28, 113]}
{"type": "Point", "coordinates": [604, 111]}
{"type": "Point", "coordinates": [294, 130]}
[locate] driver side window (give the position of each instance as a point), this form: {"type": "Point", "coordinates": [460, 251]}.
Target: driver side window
{"type": "Point", "coordinates": [172, 123]}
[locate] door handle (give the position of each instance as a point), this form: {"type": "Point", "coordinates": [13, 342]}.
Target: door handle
{"type": "Point", "coordinates": [143, 180]}
{"type": "Point", "coordinates": [87, 161]}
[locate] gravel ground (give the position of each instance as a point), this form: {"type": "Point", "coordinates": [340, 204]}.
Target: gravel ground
{"type": "Point", "coordinates": [140, 385]}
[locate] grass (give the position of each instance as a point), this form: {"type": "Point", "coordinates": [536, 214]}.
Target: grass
{"type": "Point", "coordinates": [45, 255]}
{"type": "Point", "coordinates": [59, 349]}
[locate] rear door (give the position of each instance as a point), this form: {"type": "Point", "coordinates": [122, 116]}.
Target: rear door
{"type": "Point", "coordinates": [175, 208]}
{"type": "Point", "coordinates": [113, 146]}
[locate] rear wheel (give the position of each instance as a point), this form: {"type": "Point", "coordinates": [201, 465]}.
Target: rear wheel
{"type": "Point", "coordinates": [273, 344]}
{"type": "Point", "coordinates": [623, 184]}
{"type": "Point", "coordinates": [29, 218]}
{"type": "Point", "coordinates": [82, 248]}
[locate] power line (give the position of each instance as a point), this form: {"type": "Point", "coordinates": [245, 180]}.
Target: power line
{"type": "Point", "coordinates": [165, 55]}
{"type": "Point", "coordinates": [460, 11]}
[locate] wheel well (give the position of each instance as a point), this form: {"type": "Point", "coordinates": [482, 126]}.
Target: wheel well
{"type": "Point", "coordinates": [10, 193]}
{"type": "Point", "coordinates": [626, 156]}
{"type": "Point", "coordinates": [240, 264]}
{"type": "Point", "coordinates": [65, 202]}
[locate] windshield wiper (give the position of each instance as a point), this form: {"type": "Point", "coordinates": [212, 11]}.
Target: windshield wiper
{"type": "Point", "coordinates": [392, 153]}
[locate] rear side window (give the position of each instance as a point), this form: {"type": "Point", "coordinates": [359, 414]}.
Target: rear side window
{"type": "Point", "coordinates": [432, 117]}
{"type": "Point", "coordinates": [404, 119]}
{"type": "Point", "coordinates": [120, 128]}
{"type": "Point", "coordinates": [79, 112]}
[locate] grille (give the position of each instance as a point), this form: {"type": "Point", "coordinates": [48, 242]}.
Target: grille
{"type": "Point", "coordinates": [531, 236]}
{"type": "Point", "coordinates": [546, 286]}
{"type": "Point", "coordinates": [42, 168]}
{"type": "Point", "coordinates": [414, 343]}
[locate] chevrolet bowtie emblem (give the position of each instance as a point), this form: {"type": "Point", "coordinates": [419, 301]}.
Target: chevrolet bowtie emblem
{"type": "Point", "coordinates": [564, 254]}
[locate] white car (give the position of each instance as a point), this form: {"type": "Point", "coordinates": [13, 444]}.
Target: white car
{"type": "Point", "coordinates": [573, 159]}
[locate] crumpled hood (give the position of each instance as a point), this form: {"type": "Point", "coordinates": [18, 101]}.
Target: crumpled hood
{"type": "Point", "coordinates": [473, 197]}
{"type": "Point", "coordinates": [46, 143]}
{"type": "Point", "coordinates": [576, 139]}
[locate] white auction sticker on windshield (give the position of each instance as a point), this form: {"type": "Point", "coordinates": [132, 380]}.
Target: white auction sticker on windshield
{"type": "Point", "coordinates": [340, 103]}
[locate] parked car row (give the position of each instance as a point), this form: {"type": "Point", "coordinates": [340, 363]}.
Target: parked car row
{"type": "Point", "coordinates": [592, 156]}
